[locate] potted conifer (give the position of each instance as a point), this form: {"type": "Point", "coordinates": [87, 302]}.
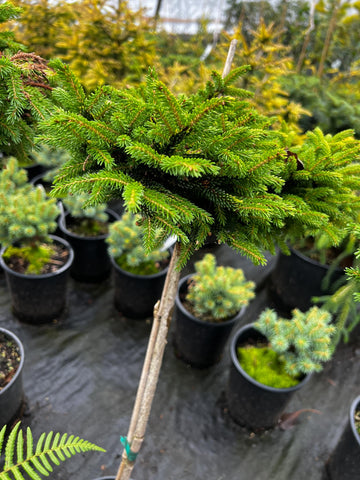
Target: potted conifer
{"type": "Point", "coordinates": [137, 274]}
{"type": "Point", "coordinates": [86, 229]}
{"type": "Point", "coordinates": [208, 305]}
{"type": "Point", "coordinates": [314, 264]}
{"type": "Point", "coordinates": [207, 164]}
{"type": "Point", "coordinates": [271, 359]}
{"type": "Point", "coordinates": [344, 462]}
{"type": "Point", "coordinates": [35, 262]}
{"type": "Point", "coordinates": [11, 370]}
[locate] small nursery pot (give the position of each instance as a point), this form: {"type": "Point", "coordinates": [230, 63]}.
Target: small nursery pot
{"type": "Point", "coordinates": [105, 478]}
{"type": "Point", "coordinates": [197, 342]}
{"type": "Point", "coordinates": [34, 170]}
{"type": "Point", "coordinates": [39, 180]}
{"type": "Point", "coordinates": [136, 295]}
{"type": "Point", "coordinates": [251, 403]}
{"type": "Point", "coordinates": [12, 395]}
{"type": "Point", "coordinates": [344, 462]}
{"type": "Point", "coordinates": [91, 260]}
{"type": "Point", "coordinates": [297, 278]}
{"type": "Point", "coordinates": [39, 298]}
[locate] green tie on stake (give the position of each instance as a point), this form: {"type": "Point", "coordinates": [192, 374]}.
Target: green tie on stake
{"type": "Point", "coordinates": [155, 350]}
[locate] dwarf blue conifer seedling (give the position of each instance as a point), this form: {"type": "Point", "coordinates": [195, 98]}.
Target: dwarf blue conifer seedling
{"type": "Point", "coordinates": [126, 246]}
{"type": "Point", "coordinates": [27, 217]}
{"type": "Point", "coordinates": [217, 293]}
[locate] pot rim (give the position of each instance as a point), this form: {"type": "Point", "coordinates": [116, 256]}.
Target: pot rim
{"type": "Point", "coordinates": [186, 312]}
{"type": "Point", "coordinates": [22, 357]}
{"type": "Point", "coordinates": [108, 477]}
{"type": "Point", "coordinates": [134, 275]}
{"type": "Point", "coordinates": [67, 264]}
{"type": "Point", "coordinates": [239, 368]}
{"type": "Point", "coordinates": [314, 262]}
{"type": "Point", "coordinates": [353, 406]}
{"type": "Point", "coordinates": [62, 226]}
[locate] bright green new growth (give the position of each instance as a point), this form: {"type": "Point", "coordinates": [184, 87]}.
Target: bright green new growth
{"type": "Point", "coordinates": [303, 342]}
{"type": "Point", "coordinates": [126, 246]}
{"type": "Point", "coordinates": [265, 366]}
{"type": "Point", "coordinates": [34, 256]}
{"type": "Point", "coordinates": [27, 216]}
{"type": "Point", "coordinates": [21, 458]}
{"type": "Point", "coordinates": [217, 293]}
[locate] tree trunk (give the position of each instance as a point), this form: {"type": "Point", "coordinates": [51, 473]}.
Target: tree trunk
{"type": "Point", "coordinates": [157, 10]}
{"type": "Point", "coordinates": [331, 28]}
{"type": "Point", "coordinates": [307, 37]}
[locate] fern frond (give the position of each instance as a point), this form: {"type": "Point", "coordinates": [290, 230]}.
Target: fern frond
{"type": "Point", "coordinates": [38, 462]}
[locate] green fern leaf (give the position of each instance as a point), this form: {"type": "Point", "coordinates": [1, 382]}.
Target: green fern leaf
{"type": "Point", "coordinates": [2, 436]}
{"type": "Point", "coordinates": [10, 447]}
{"type": "Point", "coordinates": [37, 463]}
{"type": "Point", "coordinates": [31, 472]}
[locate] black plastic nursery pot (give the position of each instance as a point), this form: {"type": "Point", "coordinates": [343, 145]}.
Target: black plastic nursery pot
{"type": "Point", "coordinates": [252, 404]}
{"type": "Point", "coordinates": [91, 259]}
{"type": "Point", "coordinates": [105, 478]}
{"type": "Point", "coordinates": [136, 295]}
{"type": "Point", "coordinates": [34, 170]}
{"type": "Point", "coordinates": [199, 343]}
{"type": "Point", "coordinates": [39, 298]}
{"type": "Point", "coordinates": [12, 395]}
{"type": "Point", "coordinates": [344, 462]}
{"type": "Point", "coordinates": [39, 180]}
{"type": "Point", "coordinates": [297, 278]}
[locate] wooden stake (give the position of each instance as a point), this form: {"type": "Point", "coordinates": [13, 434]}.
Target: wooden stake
{"type": "Point", "coordinates": [230, 58]}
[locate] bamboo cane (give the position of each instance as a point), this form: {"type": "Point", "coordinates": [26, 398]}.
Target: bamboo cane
{"type": "Point", "coordinates": [151, 369]}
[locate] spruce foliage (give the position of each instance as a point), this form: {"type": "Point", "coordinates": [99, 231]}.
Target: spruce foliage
{"type": "Point", "coordinates": [325, 186]}
{"type": "Point", "coordinates": [24, 83]}
{"type": "Point", "coordinates": [343, 302]}
{"type": "Point", "coordinates": [8, 11]}
{"type": "Point", "coordinates": [198, 165]}
{"type": "Point", "coordinates": [24, 459]}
